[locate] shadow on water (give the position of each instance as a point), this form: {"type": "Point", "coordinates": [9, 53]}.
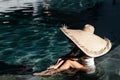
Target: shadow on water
{"type": "Point", "coordinates": [14, 69]}
{"type": "Point", "coordinates": [74, 20]}
{"type": "Point", "coordinates": [50, 17]}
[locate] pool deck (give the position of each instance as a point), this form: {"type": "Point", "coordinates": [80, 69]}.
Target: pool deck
{"type": "Point", "coordinates": [110, 64]}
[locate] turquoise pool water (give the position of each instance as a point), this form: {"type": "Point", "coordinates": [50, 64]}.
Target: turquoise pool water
{"type": "Point", "coordinates": [30, 44]}
{"type": "Point", "coordinates": [31, 38]}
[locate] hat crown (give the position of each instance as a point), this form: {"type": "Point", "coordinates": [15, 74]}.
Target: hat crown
{"type": "Point", "coordinates": [89, 28]}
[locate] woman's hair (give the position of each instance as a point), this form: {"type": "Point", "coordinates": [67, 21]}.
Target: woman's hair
{"type": "Point", "coordinates": [80, 54]}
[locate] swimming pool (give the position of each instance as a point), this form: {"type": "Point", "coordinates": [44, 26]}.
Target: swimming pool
{"type": "Point", "coordinates": [31, 37]}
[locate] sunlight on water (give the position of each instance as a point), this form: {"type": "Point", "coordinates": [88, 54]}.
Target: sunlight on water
{"type": "Point", "coordinates": [12, 5]}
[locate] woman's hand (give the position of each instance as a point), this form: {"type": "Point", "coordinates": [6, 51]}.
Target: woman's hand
{"type": "Point", "coordinates": [57, 64]}
{"type": "Point", "coordinates": [52, 67]}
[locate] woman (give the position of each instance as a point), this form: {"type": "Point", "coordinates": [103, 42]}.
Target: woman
{"type": "Point", "coordinates": [90, 46]}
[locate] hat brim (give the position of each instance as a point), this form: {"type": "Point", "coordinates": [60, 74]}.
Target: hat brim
{"type": "Point", "coordinates": [91, 44]}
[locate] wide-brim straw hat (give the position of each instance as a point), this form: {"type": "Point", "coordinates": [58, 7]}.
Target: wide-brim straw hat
{"type": "Point", "coordinates": [91, 44]}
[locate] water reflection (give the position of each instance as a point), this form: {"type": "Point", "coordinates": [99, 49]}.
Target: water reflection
{"type": "Point", "coordinates": [37, 12]}
{"type": "Point", "coordinates": [12, 5]}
